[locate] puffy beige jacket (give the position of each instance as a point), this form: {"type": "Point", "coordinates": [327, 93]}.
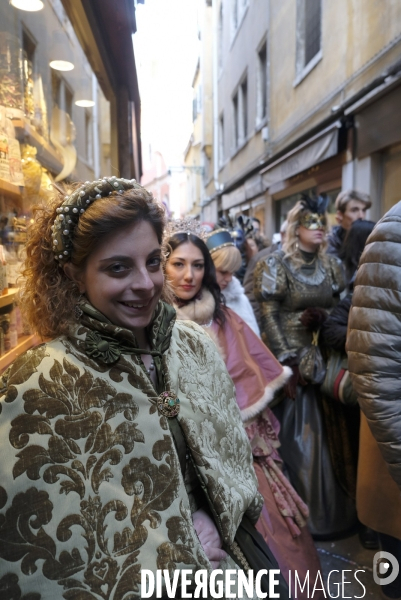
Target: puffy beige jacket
{"type": "Point", "coordinates": [374, 337]}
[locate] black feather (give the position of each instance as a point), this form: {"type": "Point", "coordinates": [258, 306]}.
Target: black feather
{"type": "Point", "coordinates": [316, 204]}
{"type": "Point", "coordinates": [242, 222]}
{"type": "Point", "coordinates": [225, 223]}
{"type": "Point", "coordinates": [245, 223]}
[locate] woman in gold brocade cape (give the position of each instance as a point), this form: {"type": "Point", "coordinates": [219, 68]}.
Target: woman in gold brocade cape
{"type": "Point", "coordinates": [92, 486]}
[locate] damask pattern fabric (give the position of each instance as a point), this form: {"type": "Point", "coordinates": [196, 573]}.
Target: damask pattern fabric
{"type": "Point", "coordinates": [91, 489]}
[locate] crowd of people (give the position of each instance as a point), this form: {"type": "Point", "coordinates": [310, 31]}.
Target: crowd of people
{"type": "Point", "coordinates": [191, 405]}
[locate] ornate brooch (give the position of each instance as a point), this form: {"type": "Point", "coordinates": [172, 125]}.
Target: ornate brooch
{"type": "Point", "coordinates": [168, 404]}
{"type": "Point", "coordinates": [97, 347]}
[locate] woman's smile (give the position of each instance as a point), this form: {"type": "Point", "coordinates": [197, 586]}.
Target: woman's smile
{"type": "Point", "coordinates": [136, 305]}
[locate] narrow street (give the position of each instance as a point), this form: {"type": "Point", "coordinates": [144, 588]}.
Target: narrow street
{"type": "Point", "coordinates": [347, 554]}
{"type": "Point", "coordinates": [200, 288]}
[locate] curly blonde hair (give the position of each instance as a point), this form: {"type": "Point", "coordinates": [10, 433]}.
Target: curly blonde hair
{"type": "Point", "coordinates": [290, 246]}
{"type": "Point", "coordinates": [47, 296]}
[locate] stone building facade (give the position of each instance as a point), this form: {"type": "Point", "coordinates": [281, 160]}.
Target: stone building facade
{"type": "Point", "coordinates": [304, 98]}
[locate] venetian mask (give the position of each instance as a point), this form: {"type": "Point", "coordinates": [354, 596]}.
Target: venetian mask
{"type": "Point", "coordinates": [313, 221]}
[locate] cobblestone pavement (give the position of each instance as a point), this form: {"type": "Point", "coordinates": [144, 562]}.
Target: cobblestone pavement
{"type": "Point", "coordinates": [347, 556]}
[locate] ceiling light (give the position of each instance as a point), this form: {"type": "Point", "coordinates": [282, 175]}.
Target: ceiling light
{"type": "Point", "coordinates": [29, 5]}
{"type": "Point", "coordinates": [83, 92]}
{"type": "Point", "coordinates": [61, 65]}
{"type": "Point", "coordinates": [85, 103]}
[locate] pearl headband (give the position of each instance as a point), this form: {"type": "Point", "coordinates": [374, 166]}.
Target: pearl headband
{"type": "Point", "coordinates": [75, 205]}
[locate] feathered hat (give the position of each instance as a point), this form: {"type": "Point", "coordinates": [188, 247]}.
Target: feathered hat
{"type": "Point", "coordinates": [315, 204]}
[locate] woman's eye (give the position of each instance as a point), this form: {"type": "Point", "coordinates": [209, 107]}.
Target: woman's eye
{"type": "Point", "coordinates": [118, 268]}
{"type": "Point", "coordinates": [199, 266]}
{"type": "Point", "coordinates": [155, 262]}
{"type": "Point", "coordinates": [177, 264]}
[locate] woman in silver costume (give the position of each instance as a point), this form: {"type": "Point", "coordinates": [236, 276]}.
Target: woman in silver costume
{"type": "Point", "coordinates": [296, 286]}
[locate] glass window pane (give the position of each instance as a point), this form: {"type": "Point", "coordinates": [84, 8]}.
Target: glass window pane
{"type": "Point", "coordinates": [312, 28]}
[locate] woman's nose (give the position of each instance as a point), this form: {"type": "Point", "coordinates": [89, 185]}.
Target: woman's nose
{"type": "Point", "coordinates": [188, 275]}
{"type": "Point", "coordinates": [142, 280]}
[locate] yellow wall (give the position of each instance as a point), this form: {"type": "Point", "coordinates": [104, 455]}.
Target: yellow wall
{"type": "Point", "coordinates": [354, 33]}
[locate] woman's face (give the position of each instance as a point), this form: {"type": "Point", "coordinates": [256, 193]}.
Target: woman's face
{"type": "Point", "coordinates": [185, 270]}
{"type": "Point", "coordinates": [310, 239]}
{"type": "Point", "coordinates": [123, 277]}
{"type": "Point", "coordinates": [223, 278]}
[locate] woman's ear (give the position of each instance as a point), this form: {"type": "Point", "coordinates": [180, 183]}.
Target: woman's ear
{"type": "Point", "coordinates": [76, 275]}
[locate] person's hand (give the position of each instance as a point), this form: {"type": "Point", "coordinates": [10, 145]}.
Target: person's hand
{"type": "Point", "coordinates": [313, 318]}
{"type": "Point", "coordinates": [209, 537]}
{"type": "Point", "coordinates": [290, 388]}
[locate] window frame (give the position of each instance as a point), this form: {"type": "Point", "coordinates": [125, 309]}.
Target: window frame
{"type": "Point", "coordinates": [302, 69]}
{"type": "Point", "coordinates": [235, 102]}
{"type": "Point", "coordinates": [262, 85]}
{"type": "Point", "coordinates": [89, 137]}
{"type": "Point", "coordinates": [221, 148]}
{"type": "Point", "coordinates": [241, 113]}
{"type": "Point", "coordinates": [221, 39]}
{"type": "Point", "coordinates": [239, 9]}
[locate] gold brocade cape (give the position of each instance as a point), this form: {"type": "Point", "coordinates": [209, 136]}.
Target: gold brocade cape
{"type": "Point", "coordinates": [91, 489]}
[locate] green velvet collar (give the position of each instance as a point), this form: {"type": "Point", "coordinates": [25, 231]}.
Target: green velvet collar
{"type": "Point", "coordinates": [106, 342]}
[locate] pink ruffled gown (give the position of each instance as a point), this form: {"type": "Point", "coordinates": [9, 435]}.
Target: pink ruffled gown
{"type": "Point", "coordinates": [257, 375]}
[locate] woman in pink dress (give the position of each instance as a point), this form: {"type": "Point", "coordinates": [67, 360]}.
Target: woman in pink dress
{"type": "Point", "coordinates": [257, 375]}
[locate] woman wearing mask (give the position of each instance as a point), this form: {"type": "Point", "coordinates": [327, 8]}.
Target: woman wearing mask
{"type": "Point", "coordinates": [293, 285]}
{"type": "Point", "coordinates": [256, 375]}
{"type": "Point", "coordinates": [94, 486]}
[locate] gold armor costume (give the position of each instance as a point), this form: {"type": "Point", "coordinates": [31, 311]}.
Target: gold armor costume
{"type": "Point", "coordinates": [284, 292]}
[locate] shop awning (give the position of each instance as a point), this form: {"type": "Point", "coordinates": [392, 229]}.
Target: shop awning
{"type": "Point", "coordinates": [378, 125]}
{"type": "Point", "coordinates": [321, 146]}
{"type": "Point", "coordinates": [318, 148]}
{"type": "Point", "coordinates": [104, 29]}
{"type": "Point", "coordinates": [252, 187]}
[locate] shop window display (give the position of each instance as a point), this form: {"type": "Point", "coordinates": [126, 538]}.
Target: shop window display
{"type": "Point", "coordinates": [51, 119]}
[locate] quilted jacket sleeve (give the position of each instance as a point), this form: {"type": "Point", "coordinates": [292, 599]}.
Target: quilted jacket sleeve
{"type": "Point", "coordinates": [374, 337]}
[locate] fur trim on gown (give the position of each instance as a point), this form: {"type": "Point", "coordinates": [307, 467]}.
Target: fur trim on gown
{"type": "Point", "coordinates": [256, 373]}
{"type": "Point", "coordinates": [235, 298]}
